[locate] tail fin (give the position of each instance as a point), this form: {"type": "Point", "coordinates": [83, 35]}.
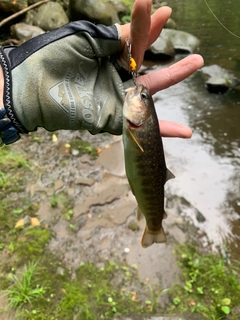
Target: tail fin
{"type": "Point", "coordinates": [148, 238]}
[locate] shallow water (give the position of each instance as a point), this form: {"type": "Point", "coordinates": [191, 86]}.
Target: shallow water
{"type": "Point", "coordinates": [207, 166]}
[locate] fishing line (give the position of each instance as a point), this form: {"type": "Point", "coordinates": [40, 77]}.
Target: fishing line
{"type": "Point", "coordinates": [232, 33]}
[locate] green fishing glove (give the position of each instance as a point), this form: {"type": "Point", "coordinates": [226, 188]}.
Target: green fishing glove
{"type": "Point", "coordinates": [68, 78]}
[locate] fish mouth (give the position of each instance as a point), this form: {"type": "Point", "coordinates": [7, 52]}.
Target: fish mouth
{"type": "Point", "coordinates": [133, 125]}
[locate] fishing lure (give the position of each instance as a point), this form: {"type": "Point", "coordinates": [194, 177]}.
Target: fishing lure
{"type": "Point", "coordinates": [219, 21]}
{"type": "Point", "coordinates": [132, 65]}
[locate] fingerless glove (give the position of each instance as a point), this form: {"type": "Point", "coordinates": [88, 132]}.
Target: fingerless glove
{"type": "Point", "coordinates": [68, 78]}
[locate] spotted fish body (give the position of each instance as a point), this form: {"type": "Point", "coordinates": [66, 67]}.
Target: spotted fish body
{"type": "Point", "coordinates": [144, 161]}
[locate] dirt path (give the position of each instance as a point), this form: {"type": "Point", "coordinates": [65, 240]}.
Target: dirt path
{"type": "Point", "coordinates": [103, 223]}
{"type": "Point", "coordinates": [87, 204]}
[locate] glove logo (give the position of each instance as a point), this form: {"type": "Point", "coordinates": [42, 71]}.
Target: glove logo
{"type": "Point", "coordinates": [71, 93]}
{"type": "Point", "coordinates": [74, 96]}
{"type": "Point", "coordinates": [63, 95]}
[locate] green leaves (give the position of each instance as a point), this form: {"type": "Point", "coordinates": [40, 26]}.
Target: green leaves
{"type": "Point", "coordinates": [225, 309]}
{"type": "Point", "coordinates": [208, 284]}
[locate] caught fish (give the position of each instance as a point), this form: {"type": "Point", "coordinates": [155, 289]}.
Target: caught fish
{"type": "Point", "coordinates": [145, 162]}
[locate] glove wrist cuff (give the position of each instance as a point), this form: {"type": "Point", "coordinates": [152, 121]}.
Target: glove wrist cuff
{"type": "Point", "coordinates": [8, 102]}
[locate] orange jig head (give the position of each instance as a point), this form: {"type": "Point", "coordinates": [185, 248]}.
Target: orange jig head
{"type": "Point", "coordinates": [132, 64]}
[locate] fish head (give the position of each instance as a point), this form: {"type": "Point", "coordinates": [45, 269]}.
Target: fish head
{"type": "Point", "coordinates": [137, 106]}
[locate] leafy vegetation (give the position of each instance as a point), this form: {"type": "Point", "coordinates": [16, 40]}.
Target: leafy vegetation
{"type": "Point", "coordinates": [84, 147]}
{"type": "Point", "coordinates": [96, 293]}
{"type": "Point", "coordinates": [211, 286]}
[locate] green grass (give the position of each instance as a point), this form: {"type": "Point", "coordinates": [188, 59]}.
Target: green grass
{"type": "Point", "coordinates": [13, 167]}
{"type": "Point", "coordinates": [31, 243]}
{"type": "Point", "coordinates": [83, 147]}
{"type": "Point", "coordinates": [211, 286]}
{"type": "Point", "coordinates": [10, 159]}
{"type": "Point", "coordinates": [96, 292]}
{"type": "Point", "coordinates": [25, 288]}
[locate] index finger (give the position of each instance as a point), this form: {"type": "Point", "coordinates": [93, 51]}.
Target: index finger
{"type": "Point", "coordinates": [140, 28]}
{"type": "Point", "coordinates": [164, 78]}
{"type": "Point", "coordinates": [143, 30]}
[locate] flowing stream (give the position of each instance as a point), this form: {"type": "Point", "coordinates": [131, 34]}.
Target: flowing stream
{"type": "Point", "coordinates": [207, 166]}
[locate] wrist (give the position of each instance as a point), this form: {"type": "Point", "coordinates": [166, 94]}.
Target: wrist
{"type": "Point", "coordinates": [1, 87]}
{"type": "Point", "coordinates": [8, 133]}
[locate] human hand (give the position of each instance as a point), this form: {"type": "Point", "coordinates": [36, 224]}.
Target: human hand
{"type": "Point", "coordinates": [142, 32]}
{"type": "Point", "coordinates": [69, 78]}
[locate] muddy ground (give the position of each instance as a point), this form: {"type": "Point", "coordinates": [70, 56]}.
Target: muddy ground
{"type": "Point", "coordinates": [79, 191]}
{"type": "Point", "coordinates": [101, 221]}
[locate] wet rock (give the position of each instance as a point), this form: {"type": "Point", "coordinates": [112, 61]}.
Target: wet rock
{"type": "Point", "coordinates": [217, 79]}
{"type": "Point", "coordinates": [48, 16]}
{"type": "Point", "coordinates": [102, 196]}
{"type": "Point", "coordinates": [85, 181]}
{"type": "Point", "coordinates": [183, 42]}
{"type": "Point", "coordinates": [121, 8]}
{"type": "Point", "coordinates": [183, 206]}
{"type": "Point", "coordinates": [200, 217]}
{"type": "Point", "coordinates": [112, 159]}
{"type": "Point", "coordinates": [47, 213]}
{"type": "Point", "coordinates": [161, 49]}
{"type": "Point", "coordinates": [178, 234]}
{"type": "Point", "coordinates": [96, 11]}
{"type": "Point", "coordinates": [58, 185]}
{"type": "Point", "coordinates": [170, 24]}
{"type": "Point", "coordinates": [85, 159]}
{"type": "Point", "coordinates": [170, 42]}
{"type": "Point", "coordinates": [112, 217]}
{"type": "Point", "coordinates": [23, 31]}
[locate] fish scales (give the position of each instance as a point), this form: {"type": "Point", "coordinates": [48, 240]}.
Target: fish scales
{"type": "Point", "coordinates": [150, 171]}
{"type": "Point", "coordinates": [144, 160]}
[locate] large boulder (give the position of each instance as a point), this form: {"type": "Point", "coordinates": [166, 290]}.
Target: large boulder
{"type": "Point", "coordinates": [48, 16]}
{"type": "Point", "coordinates": [24, 32]}
{"type": "Point", "coordinates": [182, 41]}
{"type": "Point", "coordinates": [217, 79]}
{"type": "Point", "coordinates": [97, 11]}
{"type": "Point", "coordinates": [161, 49]}
{"type": "Point", "coordinates": [170, 24]}
{"type": "Point", "coordinates": [170, 42]}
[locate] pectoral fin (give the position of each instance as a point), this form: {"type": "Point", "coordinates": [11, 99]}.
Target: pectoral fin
{"type": "Point", "coordinates": [139, 214]}
{"type": "Point", "coordinates": [131, 187]}
{"type": "Point", "coordinates": [169, 175]}
{"type": "Point", "coordinates": [135, 140]}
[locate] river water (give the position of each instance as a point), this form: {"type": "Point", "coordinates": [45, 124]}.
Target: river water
{"type": "Point", "coordinates": [207, 166]}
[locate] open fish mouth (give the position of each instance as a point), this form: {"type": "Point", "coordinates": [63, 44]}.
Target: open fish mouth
{"type": "Point", "coordinates": [133, 125]}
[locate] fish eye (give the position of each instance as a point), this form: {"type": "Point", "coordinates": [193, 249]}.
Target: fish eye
{"type": "Point", "coordinates": [144, 95]}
